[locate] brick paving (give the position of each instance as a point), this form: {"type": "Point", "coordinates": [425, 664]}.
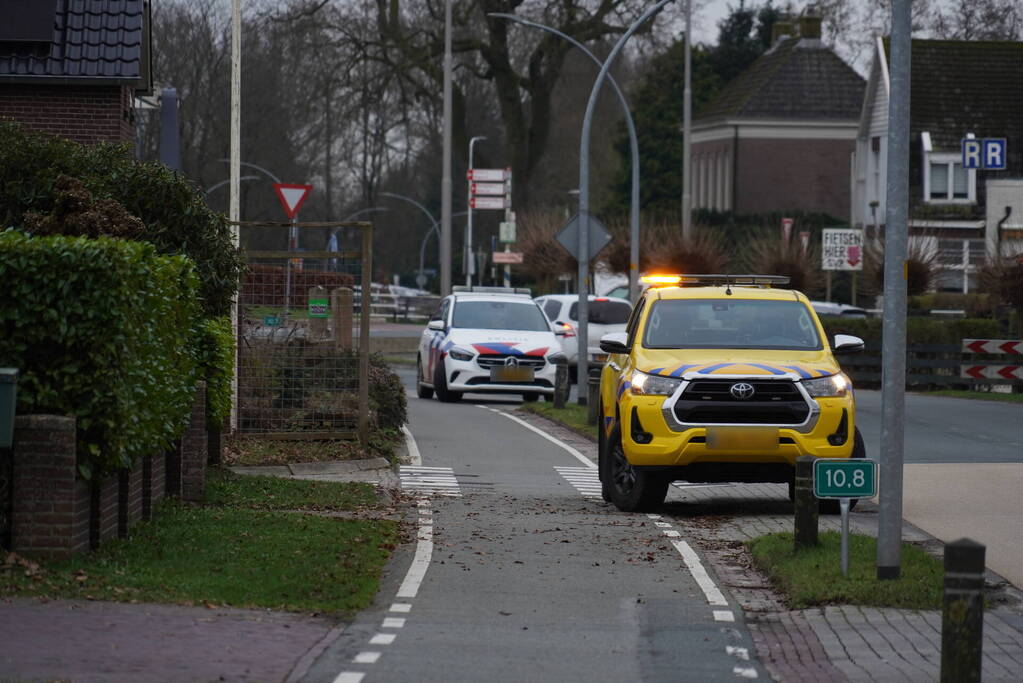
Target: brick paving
{"type": "Point", "coordinates": [837, 643]}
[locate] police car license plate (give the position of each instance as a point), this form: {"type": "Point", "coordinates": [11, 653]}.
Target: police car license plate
{"type": "Point", "coordinates": [511, 373]}
{"type": "Point", "coordinates": [744, 438]}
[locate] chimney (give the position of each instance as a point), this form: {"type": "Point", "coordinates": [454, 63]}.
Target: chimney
{"type": "Point", "coordinates": [810, 23]}
{"type": "Point", "coordinates": [781, 29]}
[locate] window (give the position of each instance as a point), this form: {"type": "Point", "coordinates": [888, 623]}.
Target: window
{"type": "Point", "coordinates": [499, 315]}
{"type": "Point", "coordinates": [552, 308]}
{"type": "Point", "coordinates": [730, 324]}
{"type": "Point", "coordinates": [945, 180]}
{"type": "Point", "coordinates": [603, 312]}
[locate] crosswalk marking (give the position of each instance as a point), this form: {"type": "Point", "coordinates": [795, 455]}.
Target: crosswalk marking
{"type": "Point", "coordinates": [432, 481]}
{"type": "Point", "coordinates": [584, 479]}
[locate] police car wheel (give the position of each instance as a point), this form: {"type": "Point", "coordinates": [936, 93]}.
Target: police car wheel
{"type": "Point", "coordinates": [422, 391]}
{"type": "Point", "coordinates": [440, 386]}
{"type": "Point", "coordinates": [632, 489]}
{"type": "Point", "coordinates": [530, 396]}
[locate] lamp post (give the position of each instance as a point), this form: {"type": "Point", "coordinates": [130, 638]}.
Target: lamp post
{"type": "Point", "coordinates": [445, 183]}
{"type": "Point", "coordinates": [219, 185]}
{"type": "Point", "coordinates": [633, 147]}
{"type": "Point", "coordinates": [468, 225]}
{"type": "Point", "coordinates": [687, 139]}
{"type": "Point", "coordinates": [434, 228]}
{"type": "Point", "coordinates": [584, 199]}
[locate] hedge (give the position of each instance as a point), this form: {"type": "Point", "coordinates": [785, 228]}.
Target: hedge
{"type": "Point", "coordinates": [104, 330]}
{"type": "Point", "coordinates": [918, 330]}
{"type": "Point", "coordinates": [173, 211]}
{"type": "Point", "coordinates": [217, 355]}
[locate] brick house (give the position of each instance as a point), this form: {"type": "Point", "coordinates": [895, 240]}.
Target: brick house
{"type": "Point", "coordinates": [958, 90]}
{"type": "Point", "coordinates": [779, 136]}
{"type": "Point", "coordinates": [73, 67]}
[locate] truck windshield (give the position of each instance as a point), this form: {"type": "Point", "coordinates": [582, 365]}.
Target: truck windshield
{"type": "Point", "coordinates": [730, 324]}
{"type": "Point", "coordinates": [499, 315]}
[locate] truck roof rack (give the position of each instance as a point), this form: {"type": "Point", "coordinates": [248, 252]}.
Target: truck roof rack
{"type": "Point", "coordinates": [491, 290]}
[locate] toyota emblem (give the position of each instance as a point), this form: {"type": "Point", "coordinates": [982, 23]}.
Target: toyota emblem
{"type": "Point", "coordinates": [512, 362]}
{"type": "Point", "coordinates": [742, 391]}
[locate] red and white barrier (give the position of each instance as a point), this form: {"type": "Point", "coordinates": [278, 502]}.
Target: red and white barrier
{"type": "Point", "coordinates": [999, 346]}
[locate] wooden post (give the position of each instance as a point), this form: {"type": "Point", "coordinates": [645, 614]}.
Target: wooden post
{"type": "Point", "coordinates": [962, 618]}
{"type": "Point", "coordinates": [341, 305]}
{"type": "Point", "coordinates": [806, 507]}
{"type": "Point", "coordinates": [364, 307]}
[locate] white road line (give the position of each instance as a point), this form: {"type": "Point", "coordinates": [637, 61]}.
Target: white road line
{"type": "Point", "coordinates": [744, 671]}
{"type": "Point", "coordinates": [738, 652]}
{"type": "Point", "coordinates": [671, 533]}
{"type": "Point", "coordinates": [436, 481]}
{"type": "Point", "coordinates": [393, 622]}
{"type": "Point", "coordinates": [420, 562]}
{"type": "Point", "coordinates": [703, 580]}
{"type": "Point", "coordinates": [561, 444]}
{"type": "Point", "coordinates": [662, 525]}
{"type": "Point", "coordinates": [382, 639]}
{"type": "Point", "coordinates": [415, 458]}
{"type": "Point", "coordinates": [583, 479]}
{"type": "Point", "coordinates": [401, 607]}
{"type": "Point", "coordinates": [349, 677]}
{"type": "Point", "coordinates": [723, 615]}
{"type": "Point", "coordinates": [366, 658]}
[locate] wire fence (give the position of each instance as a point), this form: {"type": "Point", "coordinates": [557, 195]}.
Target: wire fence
{"type": "Point", "coordinates": [303, 342]}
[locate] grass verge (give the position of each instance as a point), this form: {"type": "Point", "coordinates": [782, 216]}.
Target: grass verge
{"type": "Point", "coordinates": [242, 549]}
{"type": "Point", "coordinates": [253, 451]}
{"type": "Point", "coordinates": [814, 577]}
{"type": "Point", "coordinates": [978, 395]}
{"type": "Point", "coordinates": [572, 416]}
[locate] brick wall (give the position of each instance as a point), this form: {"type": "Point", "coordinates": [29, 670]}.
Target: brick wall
{"type": "Point", "coordinates": [104, 512]}
{"type": "Point", "coordinates": [50, 516]}
{"type": "Point", "coordinates": [84, 113]}
{"type": "Point", "coordinates": [780, 175]}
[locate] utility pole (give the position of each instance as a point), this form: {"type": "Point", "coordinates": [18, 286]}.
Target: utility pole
{"type": "Point", "coordinates": [687, 139]}
{"type": "Point", "coordinates": [893, 351]}
{"type": "Point", "coordinates": [445, 183]}
{"type": "Point", "coordinates": [234, 208]}
{"type": "Point", "coordinates": [469, 258]}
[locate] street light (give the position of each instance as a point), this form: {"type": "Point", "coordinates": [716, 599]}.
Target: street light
{"type": "Point", "coordinates": [434, 228]}
{"type": "Point", "coordinates": [584, 199]}
{"type": "Point", "coordinates": [225, 182]}
{"type": "Point", "coordinates": [633, 145]}
{"type": "Point", "coordinates": [468, 225]}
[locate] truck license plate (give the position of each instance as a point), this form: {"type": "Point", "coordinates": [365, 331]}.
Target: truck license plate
{"type": "Point", "coordinates": [505, 373]}
{"type": "Point", "coordinates": [744, 438]}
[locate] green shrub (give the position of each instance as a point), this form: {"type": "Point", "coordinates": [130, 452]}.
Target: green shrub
{"type": "Point", "coordinates": [918, 330]}
{"type": "Point", "coordinates": [386, 394]}
{"type": "Point", "coordinates": [174, 212]}
{"type": "Point", "coordinates": [217, 356]}
{"type": "Point", "coordinates": [104, 330]}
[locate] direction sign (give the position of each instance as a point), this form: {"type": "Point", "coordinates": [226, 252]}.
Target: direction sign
{"type": "Point", "coordinates": [1009, 372]}
{"type": "Point", "coordinates": [292, 196]}
{"type": "Point", "coordinates": [487, 202]}
{"type": "Point", "coordinates": [488, 188]}
{"type": "Point", "coordinates": [507, 257]}
{"type": "Point", "coordinates": [855, 478]}
{"type": "Point", "coordinates": [1010, 346]}
{"type": "Point", "coordinates": [841, 249]}
{"type": "Point", "coordinates": [488, 175]}
{"type": "Point", "coordinates": [507, 231]}
{"type": "Point", "coordinates": [568, 237]}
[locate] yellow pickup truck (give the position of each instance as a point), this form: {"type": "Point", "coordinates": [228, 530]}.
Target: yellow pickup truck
{"type": "Point", "coordinates": [720, 378]}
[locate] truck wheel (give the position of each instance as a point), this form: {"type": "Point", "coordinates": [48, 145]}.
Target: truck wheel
{"type": "Point", "coordinates": [633, 489]}
{"type": "Point", "coordinates": [422, 391]}
{"type": "Point", "coordinates": [831, 507]}
{"type": "Point", "coordinates": [440, 385]}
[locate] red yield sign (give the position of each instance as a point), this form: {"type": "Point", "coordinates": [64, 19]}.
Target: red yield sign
{"type": "Point", "coordinates": [292, 196]}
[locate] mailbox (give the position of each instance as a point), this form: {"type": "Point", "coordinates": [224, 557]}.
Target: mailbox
{"type": "Point", "coordinates": [8, 400]}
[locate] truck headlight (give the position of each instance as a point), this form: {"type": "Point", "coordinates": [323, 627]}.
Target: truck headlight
{"type": "Point", "coordinates": [460, 354]}
{"type": "Point", "coordinates": [825, 387]}
{"type": "Point", "coordinates": [653, 385]}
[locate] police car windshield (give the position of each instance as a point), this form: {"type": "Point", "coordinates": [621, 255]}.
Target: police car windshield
{"type": "Point", "coordinates": [499, 315]}
{"type": "Point", "coordinates": [730, 324]}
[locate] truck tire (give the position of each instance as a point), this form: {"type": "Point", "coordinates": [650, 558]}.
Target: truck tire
{"type": "Point", "coordinates": [632, 489]}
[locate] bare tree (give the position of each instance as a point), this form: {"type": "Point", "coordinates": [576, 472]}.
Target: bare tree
{"type": "Point", "coordinates": [980, 20]}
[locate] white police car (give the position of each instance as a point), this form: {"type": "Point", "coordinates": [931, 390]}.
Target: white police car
{"type": "Point", "coordinates": [487, 340]}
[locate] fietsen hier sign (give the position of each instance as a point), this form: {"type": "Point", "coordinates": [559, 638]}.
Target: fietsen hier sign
{"type": "Point", "coordinates": [841, 249]}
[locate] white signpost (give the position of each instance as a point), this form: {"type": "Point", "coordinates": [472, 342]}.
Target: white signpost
{"type": "Point", "coordinates": [487, 202]}
{"type": "Point", "coordinates": [491, 188]}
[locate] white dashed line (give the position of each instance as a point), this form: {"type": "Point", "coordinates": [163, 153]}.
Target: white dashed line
{"type": "Point", "coordinates": [435, 481]}
{"type": "Point", "coordinates": [401, 607]}
{"type": "Point", "coordinates": [723, 615]}
{"type": "Point", "coordinates": [703, 580]}
{"type": "Point", "coordinates": [561, 444]}
{"type": "Point", "coordinates": [394, 622]}
{"type": "Point", "coordinates": [738, 652]}
{"type": "Point", "coordinates": [349, 677]}
{"type": "Point", "coordinates": [366, 658]}
{"type": "Point", "coordinates": [744, 671]}
{"type": "Point", "coordinates": [382, 639]}
{"type": "Point", "coordinates": [415, 459]}
{"type": "Point", "coordinates": [584, 479]}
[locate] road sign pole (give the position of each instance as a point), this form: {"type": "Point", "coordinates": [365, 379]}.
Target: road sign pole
{"type": "Point", "coordinates": [843, 505]}
{"type": "Point", "coordinates": [893, 351]}
{"type": "Point", "coordinates": [445, 183]}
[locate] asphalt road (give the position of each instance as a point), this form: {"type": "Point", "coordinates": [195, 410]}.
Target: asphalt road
{"type": "Point", "coordinates": [528, 580]}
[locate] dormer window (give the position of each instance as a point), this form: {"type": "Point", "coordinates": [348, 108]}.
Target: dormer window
{"type": "Point", "coordinates": [945, 179]}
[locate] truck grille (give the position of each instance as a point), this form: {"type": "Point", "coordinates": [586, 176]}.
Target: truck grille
{"type": "Point", "coordinates": [711, 402]}
{"type": "Point", "coordinates": [488, 361]}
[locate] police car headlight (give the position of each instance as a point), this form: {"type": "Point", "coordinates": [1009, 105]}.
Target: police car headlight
{"type": "Point", "coordinates": [460, 354]}
{"type": "Point", "coordinates": [825, 387]}
{"type": "Point", "coordinates": [557, 358]}
{"type": "Point", "coordinates": [653, 385]}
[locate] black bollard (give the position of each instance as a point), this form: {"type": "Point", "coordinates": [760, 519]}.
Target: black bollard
{"type": "Point", "coordinates": [560, 386]}
{"type": "Point", "coordinates": [806, 507]}
{"type": "Point", "coordinates": [592, 396]}
{"type": "Point", "coordinates": [962, 618]}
